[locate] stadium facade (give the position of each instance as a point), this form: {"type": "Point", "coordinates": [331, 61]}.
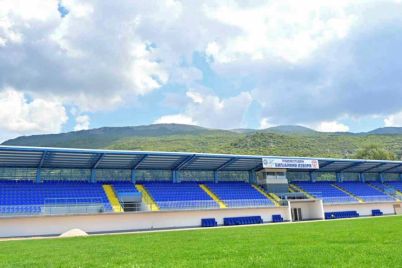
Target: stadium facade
{"type": "Point", "coordinates": [47, 191]}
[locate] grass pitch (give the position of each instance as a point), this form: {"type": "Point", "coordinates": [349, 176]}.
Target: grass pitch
{"type": "Point", "coordinates": [369, 242]}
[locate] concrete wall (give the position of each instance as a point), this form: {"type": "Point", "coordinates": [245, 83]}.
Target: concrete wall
{"type": "Point", "coordinates": [364, 209]}
{"type": "Point", "coordinates": [54, 225]}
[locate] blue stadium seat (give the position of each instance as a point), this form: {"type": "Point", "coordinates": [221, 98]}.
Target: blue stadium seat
{"type": "Point", "coordinates": [242, 220]}
{"type": "Point", "coordinates": [364, 191]}
{"type": "Point", "coordinates": [239, 194]}
{"type": "Point", "coordinates": [210, 222]}
{"type": "Point", "coordinates": [184, 195]}
{"type": "Point", "coordinates": [341, 215]}
{"type": "Point", "coordinates": [123, 188]}
{"type": "Point", "coordinates": [397, 185]}
{"type": "Point", "coordinates": [376, 212]}
{"type": "Point", "coordinates": [27, 197]}
{"type": "Point", "coordinates": [326, 191]}
{"type": "Point", "coordinates": [277, 218]}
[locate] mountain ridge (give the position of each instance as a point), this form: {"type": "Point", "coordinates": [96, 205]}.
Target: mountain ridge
{"type": "Point", "coordinates": [281, 140]}
{"type": "Point", "coordinates": [155, 130]}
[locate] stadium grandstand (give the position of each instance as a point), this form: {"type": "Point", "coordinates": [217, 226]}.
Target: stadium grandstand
{"type": "Point", "coordinates": [110, 190]}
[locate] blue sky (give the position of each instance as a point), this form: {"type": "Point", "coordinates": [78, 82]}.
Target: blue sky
{"type": "Point", "coordinates": [72, 65]}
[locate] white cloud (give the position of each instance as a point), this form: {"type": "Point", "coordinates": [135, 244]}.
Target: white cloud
{"type": "Point", "coordinates": [145, 73]}
{"type": "Point", "coordinates": [81, 122]}
{"type": "Point", "coordinates": [393, 120]}
{"type": "Point", "coordinates": [288, 30]}
{"type": "Point", "coordinates": [20, 116]}
{"type": "Point", "coordinates": [331, 126]}
{"type": "Point", "coordinates": [175, 119]}
{"type": "Point", "coordinates": [310, 61]}
{"type": "Point", "coordinates": [264, 123]}
{"type": "Point", "coordinates": [195, 96]}
{"type": "Point", "coordinates": [83, 58]}
{"type": "Point", "coordinates": [208, 110]}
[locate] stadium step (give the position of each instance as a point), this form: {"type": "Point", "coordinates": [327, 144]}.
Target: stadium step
{"type": "Point", "coordinates": [290, 189]}
{"type": "Point", "coordinates": [213, 196]}
{"type": "Point", "coordinates": [396, 190]}
{"type": "Point", "coordinates": [382, 191]}
{"type": "Point", "coordinates": [147, 198]}
{"type": "Point", "coordinates": [274, 196]}
{"type": "Point", "coordinates": [348, 193]}
{"type": "Point", "coordinates": [298, 189]}
{"type": "Point", "coordinates": [114, 202]}
{"type": "Point", "coordinates": [266, 195]}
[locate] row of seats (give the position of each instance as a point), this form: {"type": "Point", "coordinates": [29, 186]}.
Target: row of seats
{"type": "Point", "coordinates": [376, 212]}
{"type": "Point", "coordinates": [189, 195]}
{"type": "Point", "coordinates": [344, 192]}
{"type": "Point", "coordinates": [277, 218]}
{"type": "Point", "coordinates": [364, 191]}
{"type": "Point", "coordinates": [242, 220]}
{"type": "Point", "coordinates": [30, 197]}
{"type": "Point", "coordinates": [185, 195]}
{"type": "Point", "coordinates": [397, 185]}
{"type": "Point", "coordinates": [326, 191]}
{"type": "Point", "coordinates": [210, 222]}
{"type": "Point", "coordinates": [341, 214]}
{"type": "Point", "coordinates": [123, 189]}
{"type": "Point", "coordinates": [239, 194]}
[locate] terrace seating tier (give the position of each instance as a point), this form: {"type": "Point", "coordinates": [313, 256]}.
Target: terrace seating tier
{"type": "Point", "coordinates": [239, 194]}
{"type": "Point", "coordinates": [184, 195]}
{"type": "Point", "coordinates": [29, 198]}
{"type": "Point", "coordinates": [364, 191]}
{"type": "Point", "coordinates": [326, 191]}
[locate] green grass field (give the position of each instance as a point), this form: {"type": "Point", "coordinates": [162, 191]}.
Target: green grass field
{"type": "Point", "coordinates": [369, 242]}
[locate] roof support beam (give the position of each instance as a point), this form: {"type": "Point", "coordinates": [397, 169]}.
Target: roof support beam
{"type": "Point", "coordinates": [313, 176]}
{"type": "Point", "coordinates": [257, 167]}
{"type": "Point", "coordinates": [184, 162]}
{"type": "Point", "coordinates": [138, 163]}
{"type": "Point", "coordinates": [327, 164]}
{"type": "Point", "coordinates": [354, 164]}
{"type": "Point", "coordinates": [97, 161]}
{"type": "Point", "coordinates": [376, 166]}
{"type": "Point", "coordinates": [133, 176]}
{"type": "Point", "coordinates": [39, 168]}
{"type": "Point", "coordinates": [227, 163]}
{"type": "Point", "coordinates": [93, 175]}
{"type": "Point", "coordinates": [362, 177]}
{"type": "Point", "coordinates": [216, 176]}
{"type": "Point", "coordinates": [174, 176]}
{"type": "Point", "coordinates": [391, 168]}
{"type": "Point", "coordinates": [339, 177]}
{"type": "Point", "coordinates": [42, 160]}
{"type": "Point", "coordinates": [94, 166]}
{"type": "Point", "coordinates": [251, 176]}
{"type": "Point", "coordinates": [382, 177]}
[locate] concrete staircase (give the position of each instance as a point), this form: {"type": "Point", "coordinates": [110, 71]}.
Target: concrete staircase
{"type": "Point", "coordinates": [213, 196]}
{"type": "Point", "coordinates": [147, 198]}
{"type": "Point", "coordinates": [267, 195]}
{"type": "Point", "coordinates": [298, 189]}
{"type": "Point", "coordinates": [113, 200]}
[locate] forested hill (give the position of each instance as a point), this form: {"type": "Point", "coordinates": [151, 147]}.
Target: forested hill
{"type": "Point", "coordinates": [282, 140]}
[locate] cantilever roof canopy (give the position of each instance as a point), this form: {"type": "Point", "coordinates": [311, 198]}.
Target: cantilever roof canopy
{"type": "Point", "coordinates": [44, 157]}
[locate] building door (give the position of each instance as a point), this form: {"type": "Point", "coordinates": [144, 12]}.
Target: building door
{"type": "Point", "coordinates": [297, 214]}
{"type": "Point", "coordinates": [397, 209]}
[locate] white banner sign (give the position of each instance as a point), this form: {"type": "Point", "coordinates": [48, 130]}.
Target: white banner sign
{"type": "Point", "coordinates": [290, 163]}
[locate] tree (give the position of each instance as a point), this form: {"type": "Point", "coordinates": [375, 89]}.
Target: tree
{"type": "Point", "coordinates": [375, 152]}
